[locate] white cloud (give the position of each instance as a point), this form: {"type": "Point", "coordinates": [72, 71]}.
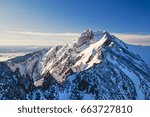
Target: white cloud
{"type": "Point", "coordinates": [136, 39]}
{"type": "Point", "coordinates": [26, 38]}
{"type": "Point", "coordinates": [50, 35]}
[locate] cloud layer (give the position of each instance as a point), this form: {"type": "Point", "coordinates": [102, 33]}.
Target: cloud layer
{"type": "Point", "coordinates": [50, 35]}
{"type": "Point", "coordinates": [22, 38]}
{"type": "Point", "coordinates": [135, 39]}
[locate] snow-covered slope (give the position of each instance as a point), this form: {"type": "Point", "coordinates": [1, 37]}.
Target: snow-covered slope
{"type": "Point", "coordinates": [143, 51]}
{"type": "Point", "coordinates": [97, 66]}
{"type": "Point", "coordinates": [29, 65]}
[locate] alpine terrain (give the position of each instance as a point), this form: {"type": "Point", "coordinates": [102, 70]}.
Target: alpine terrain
{"type": "Point", "coordinates": [98, 66]}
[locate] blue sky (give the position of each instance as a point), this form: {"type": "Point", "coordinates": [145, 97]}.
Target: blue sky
{"type": "Point", "coordinates": [42, 17]}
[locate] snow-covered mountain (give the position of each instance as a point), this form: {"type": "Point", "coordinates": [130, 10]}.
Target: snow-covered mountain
{"type": "Point", "coordinates": [97, 66]}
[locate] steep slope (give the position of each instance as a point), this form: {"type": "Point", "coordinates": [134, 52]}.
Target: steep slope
{"type": "Point", "coordinates": [120, 75]}
{"type": "Point", "coordinates": [97, 66]}
{"type": "Point", "coordinates": [143, 51]}
{"type": "Point", "coordinates": [28, 65]}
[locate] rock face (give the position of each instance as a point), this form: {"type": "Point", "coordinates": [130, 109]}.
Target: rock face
{"type": "Point", "coordinates": [97, 66]}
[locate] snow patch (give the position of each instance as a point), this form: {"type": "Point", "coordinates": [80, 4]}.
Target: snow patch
{"type": "Point", "coordinates": [137, 83]}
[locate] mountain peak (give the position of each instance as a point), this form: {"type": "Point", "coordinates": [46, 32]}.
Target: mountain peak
{"type": "Point", "coordinates": [85, 38]}
{"type": "Point", "coordinates": [60, 61]}
{"type": "Point", "coordinates": [89, 37]}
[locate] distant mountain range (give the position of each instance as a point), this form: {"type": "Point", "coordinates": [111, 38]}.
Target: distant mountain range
{"type": "Point", "coordinates": [98, 66]}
